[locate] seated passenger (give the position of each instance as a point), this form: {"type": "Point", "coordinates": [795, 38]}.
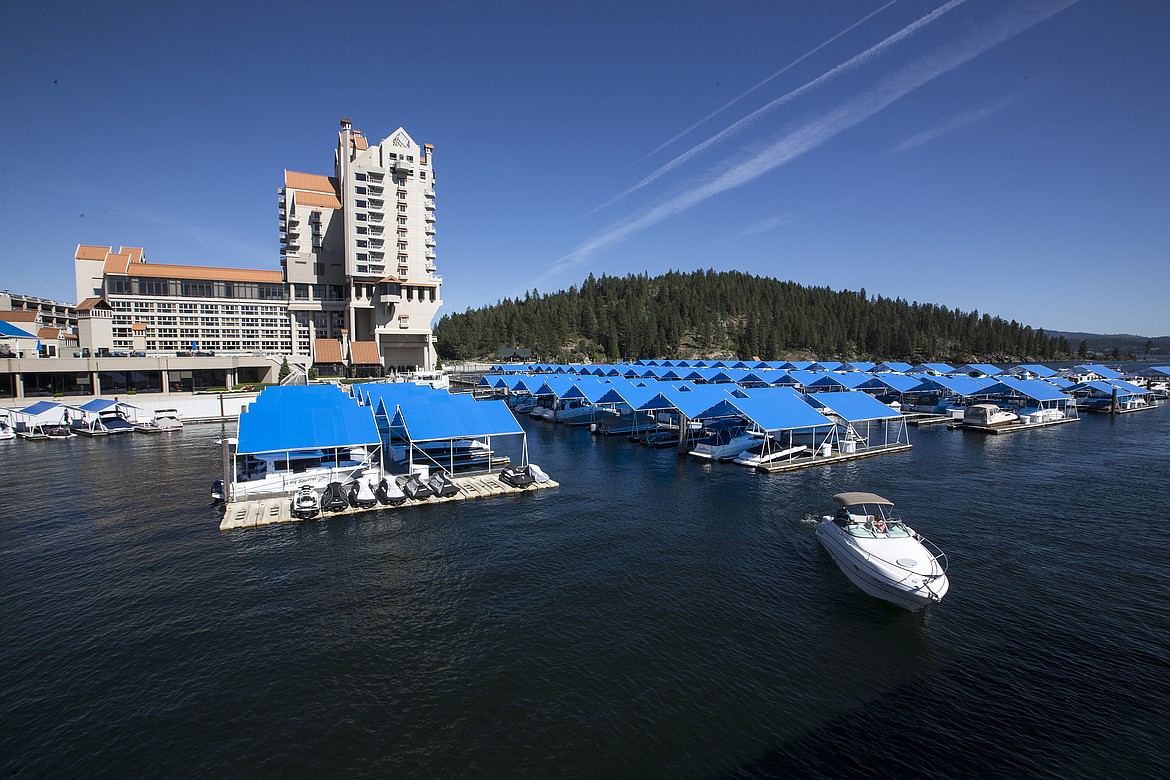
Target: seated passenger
{"type": "Point", "coordinates": [880, 526]}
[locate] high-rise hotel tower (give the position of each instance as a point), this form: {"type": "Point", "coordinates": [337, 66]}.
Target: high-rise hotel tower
{"type": "Point", "coordinates": [358, 250]}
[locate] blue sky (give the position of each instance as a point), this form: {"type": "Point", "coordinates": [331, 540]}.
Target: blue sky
{"type": "Point", "coordinates": [1009, 157]}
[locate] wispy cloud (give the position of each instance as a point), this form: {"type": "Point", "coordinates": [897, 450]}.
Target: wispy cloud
{"type": "Point", "coordinates": [765, 225]}
{"type": "Point", "coordinates": [775, 75]}
{"type": "Point", "coordinates": [850, 64]}
{"type": "Point", "coordinates": [926, 136]}
{"type": "Point", "coordinates": [824, 126]}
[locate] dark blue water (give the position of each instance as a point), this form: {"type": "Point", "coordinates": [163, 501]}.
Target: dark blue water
{"type": "Point", "coordinates": [651, 618]}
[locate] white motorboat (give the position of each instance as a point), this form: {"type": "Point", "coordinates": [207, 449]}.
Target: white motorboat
{"type": "Point", "coordinates": [768, 452]}
{"type": "Point", "coordinates": [164, 420]}
{"type": "Point", "coordinates": [882, 555]}
{"type": "Point", "coordinates": [275, 473]}
{"type": "Point", "coordinates": [726, 442]}
{"type": "Point", "coordinates": [988, 416]}
{"type": "Point", "coordinates": [6, 430]}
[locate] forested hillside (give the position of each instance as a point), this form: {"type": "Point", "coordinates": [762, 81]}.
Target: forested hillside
{"type": "Point", "coordinates": [732, 314]}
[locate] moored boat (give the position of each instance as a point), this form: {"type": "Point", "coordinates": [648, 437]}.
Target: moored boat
{"type": "Point", "coordinates": [882, 555]}
{"type": "Point", "coordinates": [988, 416]}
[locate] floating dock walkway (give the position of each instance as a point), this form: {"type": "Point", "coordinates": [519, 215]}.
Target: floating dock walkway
{"type": "Point", "coordinates": [805, 461]}
{"type": "Point", "coordinates": [1012, 428]}
{"type": "Point", "coordinates": [278, 509]}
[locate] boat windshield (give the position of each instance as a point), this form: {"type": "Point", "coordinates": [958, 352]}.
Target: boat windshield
{"type": "Point", "coordinates": [872, 521]}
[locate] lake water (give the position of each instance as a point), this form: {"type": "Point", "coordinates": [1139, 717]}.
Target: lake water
{"type": "Point", "coordinates": [653, 617]}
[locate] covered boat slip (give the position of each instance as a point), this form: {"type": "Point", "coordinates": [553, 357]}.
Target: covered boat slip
{"type": "Point", "coordinates": [1111, 396]}
{"type": "Point", "coordinates": [1038, 403]}
{"type": "Point", "coordinates": [431, 433]}
{"type": "Point", "coordinates": [290, 430]}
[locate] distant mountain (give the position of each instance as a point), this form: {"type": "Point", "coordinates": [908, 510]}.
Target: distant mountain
{"type": "Point", "coordinates": [719, 314]}
{"type": "Point", "coordinates": [1116, 345]}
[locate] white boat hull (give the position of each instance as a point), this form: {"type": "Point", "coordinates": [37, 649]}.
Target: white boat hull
{"type": "Point", "coordinates": [911, 587]}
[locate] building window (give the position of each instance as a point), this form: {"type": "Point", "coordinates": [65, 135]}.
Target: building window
{"type": "Point", "coordinates": [362, 242]}
{"type": "Point", "coordinates": [402, 207]}
{"type": "Point", "coordinates": [360, 176]}
{"type": "Point", "coordinates": [403, 321]}
{"type": "Point", "coordinates": [359, 216]}
{"type": "Point", "coordinates": [360, 190]}
{"type": "Point", "coordinates": [362, 257]}
{"type": "Point", "coordinates": [422, 174]}
{"type": "Point", "coordinates": [402, 220]}
{"type": "Point", "coordinates": [362, 229]}
{"type": "Point", "coordinates": [361, 204]}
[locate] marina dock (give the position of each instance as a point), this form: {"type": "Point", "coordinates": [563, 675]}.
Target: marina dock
{"type": "Point", "coordinates": [1011, 428]}
{"type": "Point", "coordinates": [808, 461]}
{"type": "Point", "coordinates": [278, 509]}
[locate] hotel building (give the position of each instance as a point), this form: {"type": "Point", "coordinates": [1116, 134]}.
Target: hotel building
{"type": "Point", "coordinates": [358, 251]}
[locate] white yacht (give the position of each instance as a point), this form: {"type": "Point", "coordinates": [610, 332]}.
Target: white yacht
{"type": "Point", "coordinates": [164, 420]}
{"type": "Point", "coordinates": [880, 554]}
{"type": "Point", "coordinates": [725, 443]}
{"type": "Point", "coordinates": [988, 416]}
{"type": "Point", "coordinates": [6, 430]}
{"type": "Point", "coordinates": [275, 473]}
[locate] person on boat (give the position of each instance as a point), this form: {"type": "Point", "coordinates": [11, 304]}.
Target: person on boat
{"type": "Point", "coordinates": [879, 526]}
{"type": "Point", "coordinates": [842, 516]}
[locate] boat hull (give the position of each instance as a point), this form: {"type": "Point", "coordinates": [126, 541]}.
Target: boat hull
{"type": "Point", "coordinates": [909, 590]}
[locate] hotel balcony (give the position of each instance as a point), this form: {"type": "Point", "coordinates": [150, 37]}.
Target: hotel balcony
{"type": "Point", "coordinates": [429, 192]}
{"type": "Point", "coordinates": [375, 190]}
{"type": "Point", "coordinates": [429, 205]}
{"type": "Point", "coordinates": [430, 216]}
{"type": "Point", "coordinates": [430, 229]}
{"type": "Point", "coordinates": [430, 242]}
{"type": "Point", "coordinates": [403, 167]}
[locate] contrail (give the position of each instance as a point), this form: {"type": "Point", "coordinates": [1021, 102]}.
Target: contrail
{"type": "Point", "coordinates": [926, 136]}
{"type": "Point", "coordinates": [849, 64]}
{"type": "Point", "coordinates": [780, 72]}
{"type": "Point", "coordinates": [827, 125]}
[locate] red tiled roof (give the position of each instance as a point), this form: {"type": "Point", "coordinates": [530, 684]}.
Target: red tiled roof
{"type": "Point", "coordinates": [18, 315]}
{"type": "Point", "coordinates": [318, 200]}
{"type": "Point", "coordinates": [364, 353]}
{"type": "Point", "coordinates": [87, 252]}
{"type": "Point", "coordinates": [327, 351]}
{"type": "Point", "coordinates": [314, 182]}
{"type": "Point", "coordinates": [91, 303]}
{"type": "Point", "coordinates": [49, 334]}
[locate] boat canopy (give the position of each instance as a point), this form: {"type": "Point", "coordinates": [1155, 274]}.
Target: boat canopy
{"type": "Point", "coordinates": [460, 418]}
{"type": "Point", "coordinates": [852, 499]}
{"type": "Point", "coordinates": [963, 386]}
{"type": "Point", "coordinates": [892, 367]}
{"type": "Point", "coordinates": [772, 410]}
{"type": "Point", "coordinates": [899, 383]}
{"type": "Point", "coordinates": [1105, 388]}
{"type": "Point", "coordinates": [853, 406]}
{"type": "Point", "coordinates": [305, 421]}
{"type": "Point", "coordinates": [39, 408]}
{"type": "Point", "coordinates": [690, 400]}
{"type": "Point", "coordinates": [980, 369]}
{"type": "Point", "coordinates": [1035, 389]}
{"type": "Point", "coordinates": [1102, 371]}
{"type": "Point", "coordinates": [1044, 372]}
{"type": "Point", "coordinates": [845, 379]}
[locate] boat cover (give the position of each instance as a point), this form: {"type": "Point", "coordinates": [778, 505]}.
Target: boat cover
{"type": "Point", "coordinates": [850, 499]}
{"type": "Point", "coordinates": [1103, 371]}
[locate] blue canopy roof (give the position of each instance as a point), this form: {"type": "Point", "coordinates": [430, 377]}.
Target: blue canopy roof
{"type": "Point", "coordinates": [461, 417]}
{"type": "Point", "coordinates": [980, 368]}
{"type": "Point", "coordinates": [934, 368]}
{"type": "Point", "coordinates": [1044, 372]}
{"type": "Point", "coordinates": [776, 409]}
{"type": "Point", "coordinates": [898, 382]}
{"type": "Point", "coordinates": [847, 379]}
{"type": "Point", "coordinates": [1035, 389]}
{"type": "Point", "coordinates": [1103, 371]}
{"type": "Point", "coordinates": [40, 407]}
{"type": "Point", "coordinates": [892, 366]}
{"type": "Point", "coordinates": [691, 401]}
{"type": "Point", "coordinates": [305, 418]}
{"type": "Point", "coordinates": [963, 386]}
{"type": "Point", "coordinates": [8, 330]}
{"type": "Point", "coordinates": [853, 405]}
